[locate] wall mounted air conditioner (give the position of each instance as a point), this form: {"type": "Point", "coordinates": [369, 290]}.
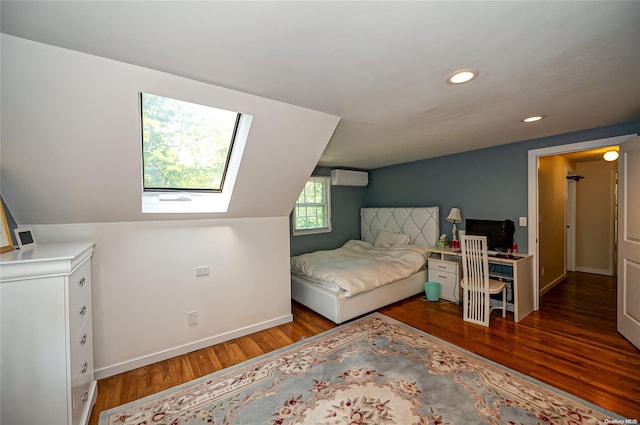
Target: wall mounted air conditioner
{"type": "Point", "coordinates": [349, 178]}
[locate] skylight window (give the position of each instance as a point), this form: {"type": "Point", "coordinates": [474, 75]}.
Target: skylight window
{"type": "Point", "coordinates": [185, 146]}
{"type": "Point", "coordinates": [191, 155]}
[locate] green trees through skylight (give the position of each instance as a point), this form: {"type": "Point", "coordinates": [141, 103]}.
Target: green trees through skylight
{"type": "Point", "coordinates": [185, 146]}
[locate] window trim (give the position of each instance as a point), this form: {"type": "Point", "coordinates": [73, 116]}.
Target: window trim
{"type": "Point", "coordinates": [327, 205]}
{"type": "Point", "coordinates": [183, 202]}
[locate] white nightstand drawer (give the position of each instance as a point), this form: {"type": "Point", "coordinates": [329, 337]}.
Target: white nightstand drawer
{"type": "Point", "coordinates": [443, 266]}
{"type": "Point", "coordinates": [444, 278]}
{"type": "Point", "coordinates": [447, 274]}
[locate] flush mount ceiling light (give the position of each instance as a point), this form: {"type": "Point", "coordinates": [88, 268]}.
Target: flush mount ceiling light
{"type": "Point", "coordinates": [462, 76]}
{"type": "Point", "coordinates": [533, 118]}
{"type": "Point", "coordinates": [611, 155]}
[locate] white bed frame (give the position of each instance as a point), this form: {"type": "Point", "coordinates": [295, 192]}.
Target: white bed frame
{"type": "Point", "coordinates": [422, 224]}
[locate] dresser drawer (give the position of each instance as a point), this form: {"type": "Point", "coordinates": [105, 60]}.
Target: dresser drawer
{"type": "Point", "coordinates": [443, 266]}
{"type": "Point", "coordinates": [81, 362]}
{"type": "Point", "coordinates": [80, 284]}
{"type": "Point", "coordinates": [77, 316]}
{"type": "Point", "coordinates": [79, 297]}
{"type": "Point", "coordinates": [79, 408]}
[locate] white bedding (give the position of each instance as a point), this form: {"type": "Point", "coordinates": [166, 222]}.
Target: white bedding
{"type": "Point", "coordinates": [359, 266]}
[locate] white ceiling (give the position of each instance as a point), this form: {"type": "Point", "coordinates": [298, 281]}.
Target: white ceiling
{"type": "Point", "coordinates": [381, 66]}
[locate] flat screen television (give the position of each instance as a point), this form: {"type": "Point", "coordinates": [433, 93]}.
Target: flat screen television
{"type": "Point", "coordinates": [499, 233]}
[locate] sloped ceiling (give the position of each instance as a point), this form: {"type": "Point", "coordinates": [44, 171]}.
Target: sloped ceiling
{"type": "Point", "coordinates": [381, 66]}
{"type": "Point", "coordinates": [71, 150]}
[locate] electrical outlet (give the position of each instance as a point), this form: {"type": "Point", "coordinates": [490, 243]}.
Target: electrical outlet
{"type": "Point", "coordinates": [192, 318]}
{"type": "Point", "coordinates": [202, 271]}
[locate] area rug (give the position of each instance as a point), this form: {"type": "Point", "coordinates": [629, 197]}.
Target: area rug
{"type": "Point", "coordinates": [374, 370]}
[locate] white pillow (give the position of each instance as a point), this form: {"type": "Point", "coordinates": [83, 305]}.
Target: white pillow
{"type": "Point", "coordinates": [387, 238]}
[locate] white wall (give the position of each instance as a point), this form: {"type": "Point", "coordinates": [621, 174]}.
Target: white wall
{"type": "Point", "coordinates": [70, 168]}
{"type": "Point", "coordinates": [595, 199]}
{"type": "Point", "coordinates": [144, 284]}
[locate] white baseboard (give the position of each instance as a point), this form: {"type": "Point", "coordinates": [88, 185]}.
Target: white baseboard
{"type": "Point", "coordinates": [552, 283]}
{"type": "Point", "coordinates": [594, 271]}
{"type": "Point", "coordinates": [187, 348]}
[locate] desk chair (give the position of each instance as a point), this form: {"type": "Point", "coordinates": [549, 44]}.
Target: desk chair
{"type": "Point", "coordinates": [477, 287]}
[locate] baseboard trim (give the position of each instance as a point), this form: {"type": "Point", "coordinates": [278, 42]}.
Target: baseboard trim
{"type": "Point", "coordinates": [604, 272]}
{"type": "Point", "coordinates": [115, 369]}
{"type": "Point", "coordinates": [553, 283]}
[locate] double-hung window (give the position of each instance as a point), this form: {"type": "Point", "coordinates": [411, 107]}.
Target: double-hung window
{"type": "Point", "coordinates": [312, 213]}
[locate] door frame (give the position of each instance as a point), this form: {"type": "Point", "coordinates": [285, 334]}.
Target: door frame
{"type": "Point", "coordinates": [533, 156]}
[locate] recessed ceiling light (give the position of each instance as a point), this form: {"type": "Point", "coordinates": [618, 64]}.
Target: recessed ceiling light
{"type": "Point", "coordinates": [611, 155]}
{"type": "Point", "coordinates": [533, 118]}
{"type": "Point", "coordinates": [462, 76]}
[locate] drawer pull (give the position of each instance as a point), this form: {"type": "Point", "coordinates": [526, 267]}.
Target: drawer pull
{"type": "Point", "coordinates": [83, 310]}
{"type": "Point", "coordinates": [85, 367]}
{"type": "Point", "coordinates": [442, 277]}
{"type": "Point", "coordinates": [82, 282]}
{"type": "Point", "coordinates": [83, 341]}
{"type": "Point", "coordinates": [85, 396]}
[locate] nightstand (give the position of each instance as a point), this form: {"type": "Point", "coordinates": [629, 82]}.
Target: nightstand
{"type": "Point", "coordinates": [447, 274]}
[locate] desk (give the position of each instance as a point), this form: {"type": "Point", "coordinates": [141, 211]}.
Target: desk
{"type": "Point", "coordinates": [522, 265]}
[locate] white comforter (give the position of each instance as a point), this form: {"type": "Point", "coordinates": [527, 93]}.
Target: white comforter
{"type": "Point", "coordinates": [358, 266]}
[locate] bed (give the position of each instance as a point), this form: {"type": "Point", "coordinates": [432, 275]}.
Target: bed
{"type": "Point", "coordinates": [421, 226]}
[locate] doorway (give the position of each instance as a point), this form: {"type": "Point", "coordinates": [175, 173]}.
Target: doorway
{"type": "Point", "coordinates": [534, 157]}
{"type": "Point", "coordinates": [591, 211]}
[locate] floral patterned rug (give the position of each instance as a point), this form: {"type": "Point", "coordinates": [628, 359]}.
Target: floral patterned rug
{"type": "Point", "coordinates": [374, 370]}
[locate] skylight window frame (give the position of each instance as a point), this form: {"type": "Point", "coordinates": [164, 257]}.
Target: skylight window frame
{"type": "Point", "coordinates": [199, 201]}
{"type": "Point", "coordinates": [187, 190]}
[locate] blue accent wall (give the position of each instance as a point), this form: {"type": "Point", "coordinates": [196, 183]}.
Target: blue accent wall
{"type": "Point", "coordinates": [489, 183]}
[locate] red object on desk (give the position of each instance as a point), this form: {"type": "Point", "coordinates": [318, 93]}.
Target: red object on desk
{"type": "Point", "coordinates": [455, 244]}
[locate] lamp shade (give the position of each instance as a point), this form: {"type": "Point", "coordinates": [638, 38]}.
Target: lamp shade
{"type": "Point", "coordinates": [454, 216]}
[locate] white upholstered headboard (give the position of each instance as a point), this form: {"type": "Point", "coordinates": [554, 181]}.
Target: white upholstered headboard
{"type": "Point", "coordinates": [422, 224]}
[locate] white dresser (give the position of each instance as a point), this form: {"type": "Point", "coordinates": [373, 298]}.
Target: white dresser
{"type": "Point", "coordinates": [47, 336]}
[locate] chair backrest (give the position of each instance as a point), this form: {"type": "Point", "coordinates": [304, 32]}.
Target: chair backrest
{"type": "Point", "coordinates": [475, 274]}
{"type": "Point", "coordinates": [475, 262]}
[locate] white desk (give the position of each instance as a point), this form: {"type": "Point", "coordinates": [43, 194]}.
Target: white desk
{"type": "Point", "coordinates": [522, 265]}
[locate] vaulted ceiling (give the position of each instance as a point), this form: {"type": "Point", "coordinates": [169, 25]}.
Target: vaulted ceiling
{"type": "Point", "coordinates": [381, 66]}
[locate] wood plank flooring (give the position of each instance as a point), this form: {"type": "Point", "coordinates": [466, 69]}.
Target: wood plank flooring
{"type": "Point", "coordinates": [571, 343]}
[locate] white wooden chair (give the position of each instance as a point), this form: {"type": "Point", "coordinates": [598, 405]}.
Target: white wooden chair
{"type": "Point", "coordinates": [477, 287]}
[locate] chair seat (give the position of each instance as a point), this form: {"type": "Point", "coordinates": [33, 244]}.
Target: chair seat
{"type": "Point", "coordinates": [495, 286]}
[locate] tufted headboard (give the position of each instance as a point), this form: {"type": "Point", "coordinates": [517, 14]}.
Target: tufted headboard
{"type": "Point", "coordinates": [422, 224]}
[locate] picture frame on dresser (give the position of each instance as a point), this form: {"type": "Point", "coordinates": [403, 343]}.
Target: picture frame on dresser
{"type": "Point", "coordinates": [25, 238]}
{"type": "Point", "coordinates": [6, 242]}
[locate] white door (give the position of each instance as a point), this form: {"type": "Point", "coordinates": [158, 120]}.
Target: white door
{"type": "Point", "coordinates": [629, 241]}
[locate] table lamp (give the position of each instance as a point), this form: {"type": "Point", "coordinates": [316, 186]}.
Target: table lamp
{"type": "Point", "coordinates": [454, 217]}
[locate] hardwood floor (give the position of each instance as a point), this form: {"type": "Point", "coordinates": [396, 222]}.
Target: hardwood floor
{"type": "Point", "coordinates": [571, 343]}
